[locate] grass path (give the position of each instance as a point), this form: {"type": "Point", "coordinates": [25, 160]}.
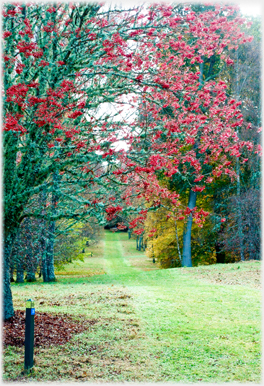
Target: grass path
{"type": "Point", "coordinates": [152, 325]}
{"type": "Point", "coordinates": [200, 331]}
{"type": "Point", "coordinates": [116, 263]}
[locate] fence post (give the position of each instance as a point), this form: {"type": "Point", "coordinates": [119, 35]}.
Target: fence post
{"type": "Point", "coordinates": [29, 336]}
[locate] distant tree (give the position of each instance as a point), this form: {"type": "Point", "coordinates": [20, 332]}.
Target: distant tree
{"type": "Point", "coordinates": [249, 204]}
{"type": "Point", "coordinates": [244, 84]}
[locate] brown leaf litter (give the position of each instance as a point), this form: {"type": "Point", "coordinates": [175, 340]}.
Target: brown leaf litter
{"type": "Point", "coordinates": [49, 329]}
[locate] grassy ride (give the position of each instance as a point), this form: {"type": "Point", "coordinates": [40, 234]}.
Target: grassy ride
{"type": "Point", "coordinates": [198, 324]}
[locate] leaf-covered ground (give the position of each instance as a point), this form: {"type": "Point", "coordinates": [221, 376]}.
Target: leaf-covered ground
{"type": "Point", "coordinates": [49, 329]}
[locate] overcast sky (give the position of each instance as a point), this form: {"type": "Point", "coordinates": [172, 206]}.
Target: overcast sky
{"type": "Point", "coordinates": [251, 9]}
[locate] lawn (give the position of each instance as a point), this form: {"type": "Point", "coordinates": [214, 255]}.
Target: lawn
{"type": "Point", "coordinates": [183, 325]}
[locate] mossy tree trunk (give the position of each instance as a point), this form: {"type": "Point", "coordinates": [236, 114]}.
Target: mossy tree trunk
{"type": "Point", "coordinates": [8, 308]}
{"type": "Point", "coordinates": [187, 254]}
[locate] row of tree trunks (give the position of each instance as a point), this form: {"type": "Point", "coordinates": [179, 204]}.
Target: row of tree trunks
{"type": "Point", "coordinates": [31, 253]}
{"type": "Point", "coordinates": [140, 244]}
{"type": "Point", "coordinates": [29, 263]}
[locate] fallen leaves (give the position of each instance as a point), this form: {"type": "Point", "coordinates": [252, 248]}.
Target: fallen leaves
{"type": "Point", "coordinates": [50, 329]}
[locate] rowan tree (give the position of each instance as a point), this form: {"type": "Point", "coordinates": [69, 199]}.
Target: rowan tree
{"type": "Point", "coordinates": [190, 130]}
{"type": "Point", "coordinates": [61, 63]}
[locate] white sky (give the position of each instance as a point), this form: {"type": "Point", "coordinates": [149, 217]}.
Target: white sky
{"type": "Point", "coordinates": [248, 7]}
{"type": "Point", "coordinates": [251, 9]}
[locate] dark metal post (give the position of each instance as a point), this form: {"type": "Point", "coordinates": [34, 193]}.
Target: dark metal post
{"type": "Point", "coordinates": [29, 335]}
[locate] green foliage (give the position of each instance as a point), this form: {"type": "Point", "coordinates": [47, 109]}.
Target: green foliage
{"type": "Point", "coordinates": [70, 243]}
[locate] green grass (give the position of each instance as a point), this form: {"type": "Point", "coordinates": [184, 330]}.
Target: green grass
{"type": "Point", "coordinates": [178, 325]}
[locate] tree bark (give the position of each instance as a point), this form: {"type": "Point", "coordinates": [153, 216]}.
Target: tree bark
{"type": "Point", "coordinates": [8, 308]}
{"type": "Point", "coordinates": [20, 271]}
{"type": "Point", "coordinates": [240, 226]}
{"type": "Point", "coordinates": [140, 242]}
{"type": "Point", "coordinates": [30, 264]}
{"type": "Point", "coordinates": [43, 246]}
{"type": "Point", "coordinates": [17, 260]}
{"type": "Point", "coordinates": [49, 260]}
{"type": "Point", "coordinates": [186, 254]}
{"type": "Point", "coordinates": [12, 272]}
{"type": "Point", "coordinates": [47, 239]}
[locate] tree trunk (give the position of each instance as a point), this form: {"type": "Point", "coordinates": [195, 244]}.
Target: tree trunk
{"type": "Point", "coordinates": [8, 308]}
{"type": "Point", "coordinates": [20, 271]}
{"type": "Point", "coordinates": [186, 254]}
{"type": "Point", "coordinates": [47, 241]}
{"type": "Point", "coordinates": [30, 264]}
{"type": "Point", "coordinates": [220, 255]}
{"type": "Point", "coordinates": [18, 260]}
{"type": "Point", "coordinates": [12, 272]}
{"type": "Point", "coordinates": [251, 251]}
{"type": "Point", "coordinates": [44, 269]}
{"type": "Point", "coordinates": [43, 243]}
{"type": "Point", "coordinates": [43, 236]}
{"type": "Point", "coordinates": [240, 226]}
{"type": "Point", "coordinates": [31, 276]}
{"type": "Point", "coordinates": [49, 274]}
{"type": "Point", "coordinates": [139, 244]}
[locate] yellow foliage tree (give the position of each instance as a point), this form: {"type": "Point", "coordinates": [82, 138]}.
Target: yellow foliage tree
{"type": "Point", "coordinates": [164, 237]}
{"type": "Point", "coordinates": [166, 242]}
